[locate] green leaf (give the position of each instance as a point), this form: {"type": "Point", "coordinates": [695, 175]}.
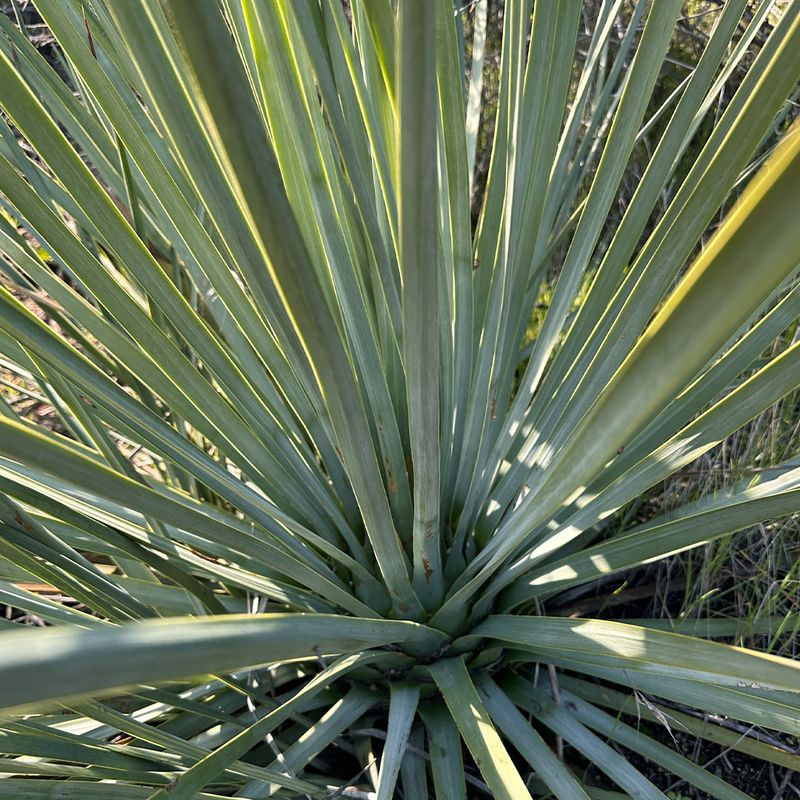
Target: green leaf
{"type": "Point", "coordinates": [253, 173]}
{"type": "Point", "coordinates": [447, 760]}
{"type": "Point", "coordinates": [704, 728]}
{"type": "Point", "coordinates": [419, 268]}
{"type": "Point", "coordinates": [206, 770]}
{"type": "Point", "coordinates": [649, 748]}
{"type": "Point", "coordinates": [563, 723]}
{"type": "Point", "coordinates": [617, 644]}
{"type": "Point", "coordinates": [528, 741]}
{"type": "Point", "coordinates": [36, 789]}
{"type": "Point", "coordinates": [693, 525]}
{"type": "Point", "coordinates": [477, 730]}
{"type": "Point", "coordinates": [38, 666]}
{"type": "Point", "coordinates": [403, 700]}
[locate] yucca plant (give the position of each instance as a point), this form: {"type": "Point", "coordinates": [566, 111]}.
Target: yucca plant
{"type": "Point", "coordinates": [312, 504]}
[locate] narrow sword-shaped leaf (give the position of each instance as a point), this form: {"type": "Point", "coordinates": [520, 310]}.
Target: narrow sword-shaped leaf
{"type": "Point", "coordinates": [447, 759]}
{"type": "Point", "coordinates": [39, 666]}
{"type": "Point", "coordinates": [476, 728]}
{"type": "Point", "coordinates": [698, 726]}
{"type": "Point", "coordinates": [403, 700]}
{"type": "Point", "coordinates": [562, 722]}
{"type": "Point", "coordinates": [207, 769]}
{"type": "Point", "coordinates": [528, 741]}
{"type": "Point", "coordinates": [419, 270]}
{"type": "Point", "coordinates": [649, 748]}
{"type": "Point", "coordinates": [254, 175]}
{"type": "Point", "coordinates": [617, 644]}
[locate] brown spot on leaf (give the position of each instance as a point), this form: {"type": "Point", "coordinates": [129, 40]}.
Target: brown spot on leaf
{"type": "Point", "coordinates": [89, 34]}
{"type": "Point", "coordinates": [390, 479]}
{"type": "Point", "coordinates": [21, 521]}
{"type": "Point", "coordinates": [426, 566]}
